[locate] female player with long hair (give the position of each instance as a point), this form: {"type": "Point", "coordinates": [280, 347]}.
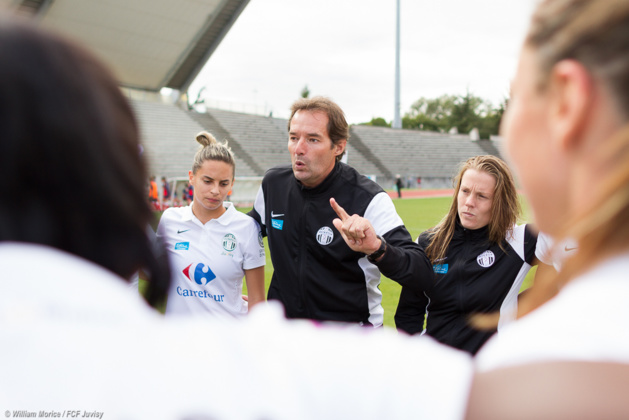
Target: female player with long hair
{"type": "Point", "coordinates": [479, 255]}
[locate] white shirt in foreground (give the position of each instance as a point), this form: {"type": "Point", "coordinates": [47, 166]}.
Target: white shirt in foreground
{"type": "Point", "coordinates": [74, 338]}
{"type": "Point", "coordinates": [587, 321]}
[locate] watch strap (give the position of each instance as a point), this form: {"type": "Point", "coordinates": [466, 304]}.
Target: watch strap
{"type": "Point", "coordinates": [379, 252]}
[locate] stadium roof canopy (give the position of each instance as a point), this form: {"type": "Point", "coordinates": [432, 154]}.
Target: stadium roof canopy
{"type": "Point", "coordinates": [149, 44]}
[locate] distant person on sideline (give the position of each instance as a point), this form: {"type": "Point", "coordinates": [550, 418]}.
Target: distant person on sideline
{"type": "Point", "coordinates": [211, 245]}
{"type": "Point", "coordinates": [316, 274]}
{"type": "Point", "coordinates": [166, 195]}
{"type": "Point", "coordinates": [399, 185]}
{"type": "Point", "coordinates": [153, 195]}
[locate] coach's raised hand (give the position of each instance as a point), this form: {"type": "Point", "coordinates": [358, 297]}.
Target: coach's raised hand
{"type": "Point", "coordinates": [357, 231]}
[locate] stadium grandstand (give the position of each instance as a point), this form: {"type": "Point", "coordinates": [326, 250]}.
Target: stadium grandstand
{"type": "Point", "coordinates": [156, 44]}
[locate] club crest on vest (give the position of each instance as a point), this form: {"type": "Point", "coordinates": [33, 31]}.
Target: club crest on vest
{"type": "Point", "coordinates": [486, 259]}
{"type": "Point", "coordinates": [325, 235]}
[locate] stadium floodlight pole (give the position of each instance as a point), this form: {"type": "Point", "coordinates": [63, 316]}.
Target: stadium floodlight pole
{"type": "Point", "coordinates": [397, 122]}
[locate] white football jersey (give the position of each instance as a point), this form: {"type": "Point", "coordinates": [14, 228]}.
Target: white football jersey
{"type": "Point", "coordinates": [208, 262]}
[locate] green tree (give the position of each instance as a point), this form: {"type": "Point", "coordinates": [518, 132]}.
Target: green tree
{"type": "Point", "coordinates": [305, 92]}
{"type": "Point", "coordinates": [464, 112]}
{"type": "Point", "coordinates": [490, 125]}
{"type": "Point", "coordinates": [378, 122]}
{"type": "Point", "coordinates": [421, 122]}
{"type": "Point", "coordinates": [429, 114]}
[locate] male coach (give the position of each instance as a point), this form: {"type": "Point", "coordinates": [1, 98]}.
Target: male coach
{"type": "Point", "coordinates": [316, 273]}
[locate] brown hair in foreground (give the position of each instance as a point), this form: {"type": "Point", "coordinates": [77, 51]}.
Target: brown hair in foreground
{"type": "Point", "coordinates": [70, 167]}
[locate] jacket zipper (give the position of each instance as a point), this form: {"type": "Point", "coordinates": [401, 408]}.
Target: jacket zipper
{"type": "Point", "coordinates": [302, 252]}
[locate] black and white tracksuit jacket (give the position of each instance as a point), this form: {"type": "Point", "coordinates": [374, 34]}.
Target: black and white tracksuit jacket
{"type": "Point", "coordinates": [316, 275]}
{"type": "Point", "coordinates": [475, 276]}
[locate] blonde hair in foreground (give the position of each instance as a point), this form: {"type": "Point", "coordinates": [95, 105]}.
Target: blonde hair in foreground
{"type": "Point", "coordinates": [596, 34]}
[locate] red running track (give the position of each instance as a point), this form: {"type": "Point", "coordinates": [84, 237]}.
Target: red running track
{"type": "Point", "coordinates": [419, 193]}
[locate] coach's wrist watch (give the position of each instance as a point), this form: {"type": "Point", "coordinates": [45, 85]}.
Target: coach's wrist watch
{"type": "Point", "coordinates": [379, 252]}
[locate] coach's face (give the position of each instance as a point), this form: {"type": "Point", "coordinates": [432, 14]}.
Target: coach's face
{"type": "Point", "coordinates": [312, 152]}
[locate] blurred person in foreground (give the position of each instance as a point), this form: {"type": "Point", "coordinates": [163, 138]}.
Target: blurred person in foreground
{"type": "Point", "coordinates": [567, 134]}
{"type": "Point", "coordinates": [69, 325]}
{"type": "Point", "coordinates": [64, 126]}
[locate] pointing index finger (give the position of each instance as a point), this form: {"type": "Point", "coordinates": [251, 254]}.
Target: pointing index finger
{"type": "Point", "coordinates": [340, 211]}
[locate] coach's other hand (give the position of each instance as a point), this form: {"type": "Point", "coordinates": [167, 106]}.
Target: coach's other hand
{"type": "Point", "coordinates": [357, 231]}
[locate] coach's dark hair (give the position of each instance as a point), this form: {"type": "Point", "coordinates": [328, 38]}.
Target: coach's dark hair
{"type": "Point", "coordinates": [71, 173]}
{"type": "Point", "coordinates": [338, 129]}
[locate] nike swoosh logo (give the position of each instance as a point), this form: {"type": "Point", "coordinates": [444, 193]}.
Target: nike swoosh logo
{"type": "Point", "coordinates": [276, 215]}
{"type": "Point", "coordinates": [569, 249]}
{"type": "Point", "coordinates": [182, 231]}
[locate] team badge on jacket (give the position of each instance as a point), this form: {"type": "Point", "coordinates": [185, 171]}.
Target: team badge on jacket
{"type": "Point", "coordinates": [325, 235]}
{"type": "Point", "coordinates": [486, 259]}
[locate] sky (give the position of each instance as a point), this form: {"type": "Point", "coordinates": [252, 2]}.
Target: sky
{"type": "Point", "coordinates": [345, 50]}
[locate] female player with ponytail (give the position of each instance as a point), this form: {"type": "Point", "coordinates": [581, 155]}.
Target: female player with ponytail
{"type": "Point", "coordinates": [211, 245]}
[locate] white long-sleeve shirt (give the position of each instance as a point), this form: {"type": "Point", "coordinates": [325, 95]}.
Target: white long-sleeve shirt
{"type": "Point", "coordinates": [74, 338]}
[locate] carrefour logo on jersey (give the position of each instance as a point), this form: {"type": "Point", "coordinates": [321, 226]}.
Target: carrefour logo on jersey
{"type": "Point", "coordinates": [199, 273]}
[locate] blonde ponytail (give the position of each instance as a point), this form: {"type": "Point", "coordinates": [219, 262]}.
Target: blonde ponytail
{"type": "Point", "coordinates": [211, 149]}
